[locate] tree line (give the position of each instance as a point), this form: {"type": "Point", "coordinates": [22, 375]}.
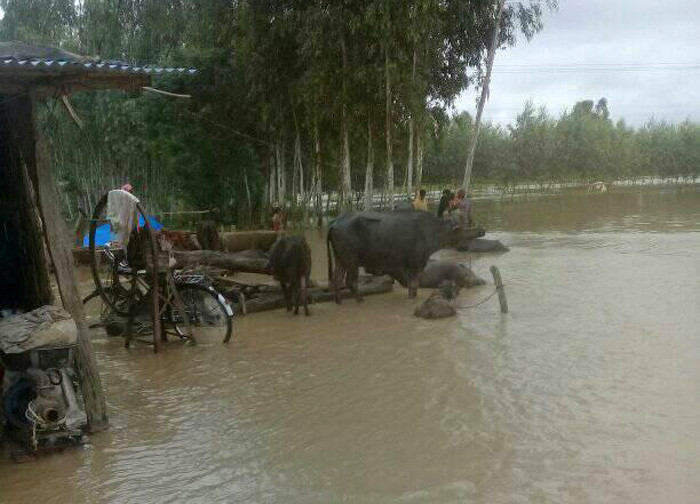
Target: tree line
{"type": "Point", "coordinates": [582, 145]}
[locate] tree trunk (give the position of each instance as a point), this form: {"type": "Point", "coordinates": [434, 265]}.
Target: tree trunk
{"type": "Point", "coordinates": [248, 197]}
{"type": "Point", "coordinates": [318, 175]}
{"type": "Point", "coordinates": [301, 167]}
{"type": "Point", "coordinates": [389, 153]}
{"type": "Point", "coordinates": [419, 158]}
{"type": "Point", "coordinates": [369, 174]}
{"type": "Point", "coordinates": [345, 188]}
{"type": "Point", "coordinates": [273, 180]}
{"type": "Point", "coordinates": [295, 175]}
{"type": "Point", "coordinates": [493, 45]}
{"type": "Point", "coordinates": [281, 175]}
{"type": "Point", "coordinates": [55, 235]}
{"type": "Point", "coordinates": [345, 183]}
{"type": "Point", "coordinates": [409, 161]}
{"type": "Point", "coordinates": [300, 170]}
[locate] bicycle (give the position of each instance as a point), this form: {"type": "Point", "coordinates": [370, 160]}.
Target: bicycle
{"type": "Point", "coordinates": [189, 307]}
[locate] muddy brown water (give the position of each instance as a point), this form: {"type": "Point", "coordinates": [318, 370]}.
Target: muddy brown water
{"type": "Point", "coordinates": [586, 392]}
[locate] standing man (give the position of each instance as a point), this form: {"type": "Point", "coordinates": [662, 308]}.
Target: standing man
{"type": "Point", "coordinates": [462, 208]}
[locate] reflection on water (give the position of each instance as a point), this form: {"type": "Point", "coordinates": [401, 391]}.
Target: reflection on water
{"type": "Point", "coordinates": [586, 392]}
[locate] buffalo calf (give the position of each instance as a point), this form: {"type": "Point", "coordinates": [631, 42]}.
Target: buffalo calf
{"type": "Point", "coordinates": [290, 264]}
{"type": "Point", "coordinates": [440, 303]}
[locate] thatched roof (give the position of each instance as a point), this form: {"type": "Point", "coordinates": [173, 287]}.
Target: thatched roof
{"type": "Point", "coordinates": [49, 71]}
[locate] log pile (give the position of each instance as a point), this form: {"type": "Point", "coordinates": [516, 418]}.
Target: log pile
{"type": "Point", "coordinates": [249, 261]}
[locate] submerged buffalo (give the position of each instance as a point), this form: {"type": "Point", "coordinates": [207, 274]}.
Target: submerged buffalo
{"type": "Point", "coordinates": [290, 263]}
{"type": "Point", "coordinates": [396, 243]}
{"type": "Point", "coordinates": [483, 245]}
{"type": "Point", "coordinates": [438, 271]}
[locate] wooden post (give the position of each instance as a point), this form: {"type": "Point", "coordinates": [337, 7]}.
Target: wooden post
{"type": "Point", "coordinates": [55, 233]}
{"type": "Point", "coordinates": [154, 252]}
{"type": "Point", "coordinates": [499, 287]}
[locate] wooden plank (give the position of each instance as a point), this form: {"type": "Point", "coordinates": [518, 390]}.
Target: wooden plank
{"type": "Point", "coordinates": [55, 233]}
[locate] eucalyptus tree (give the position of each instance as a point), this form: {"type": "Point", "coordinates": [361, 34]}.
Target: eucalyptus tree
{"type": "Point", "coordinates": [501, 22]}
{"type": "Point", "coordinates": [39, 21]}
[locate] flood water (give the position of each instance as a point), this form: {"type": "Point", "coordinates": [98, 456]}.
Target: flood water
{"type": "Point", "coordinates": [587, 391]}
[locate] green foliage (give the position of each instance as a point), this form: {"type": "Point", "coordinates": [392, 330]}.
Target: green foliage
{"type": "Point", "coordinates": [272, 71]}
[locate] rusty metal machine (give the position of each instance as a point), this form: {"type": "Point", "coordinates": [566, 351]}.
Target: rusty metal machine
{"type": "Point", "coordinates": [41, 409]}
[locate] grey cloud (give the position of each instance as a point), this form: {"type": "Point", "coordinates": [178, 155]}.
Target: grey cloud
{"type": "Point", "coordinates": [612, 32]}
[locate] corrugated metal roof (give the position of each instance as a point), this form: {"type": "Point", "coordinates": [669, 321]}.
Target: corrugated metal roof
{"type": "Point", "coordinates": [96, 66]}
{"type": "Point", "coordinates": [49, 70]}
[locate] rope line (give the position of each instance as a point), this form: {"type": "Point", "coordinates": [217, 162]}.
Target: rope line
{"type": "Point", "coordinates": [480, 302]}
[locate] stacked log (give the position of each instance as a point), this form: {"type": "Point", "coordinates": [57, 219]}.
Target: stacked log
{"type": "Point", "coordinates": [247, 261]}
{"type": "Point", "coordinates": [263, 297]}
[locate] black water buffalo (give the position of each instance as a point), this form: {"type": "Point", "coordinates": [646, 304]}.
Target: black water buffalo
{"type": "Point", "coordinates": [438, 271]}
{"type": "Point", "coordinates": [290, 264]}
{"type": "Point", "coordinates": [396, 243]}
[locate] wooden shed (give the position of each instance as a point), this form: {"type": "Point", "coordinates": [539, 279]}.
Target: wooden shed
{"type": "Point", "coordinates": [31, 225]}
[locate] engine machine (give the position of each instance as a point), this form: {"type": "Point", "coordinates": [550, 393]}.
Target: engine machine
{"type": "Point", "coordinates": [40, 407]}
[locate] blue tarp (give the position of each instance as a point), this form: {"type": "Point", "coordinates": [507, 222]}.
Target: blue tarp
{"type": "Point", "coordinates": [103, 234]}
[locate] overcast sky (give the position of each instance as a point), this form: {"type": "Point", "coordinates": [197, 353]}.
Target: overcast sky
{"type": "Point", "coordinates": [642, 55]}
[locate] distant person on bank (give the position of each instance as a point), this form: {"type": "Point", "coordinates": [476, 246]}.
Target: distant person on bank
{"type": "Point", "coordinates": [420, 203]}
{"type": "Point", "coordinates": [277, 219]}
{"type": "Point", "coordinates": [444, 204]}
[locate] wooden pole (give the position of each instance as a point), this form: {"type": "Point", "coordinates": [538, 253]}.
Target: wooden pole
{"type": "Point", "coordinates": [154, 250]}
{"type": "Point", "coordinates": [165, 93]}
{"type": "Point", "coordinates": [499, 288]}
{"type": "Point", "coordinates": [493, 45]}
{"type": "Point", "coordinates": [55, 233]}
